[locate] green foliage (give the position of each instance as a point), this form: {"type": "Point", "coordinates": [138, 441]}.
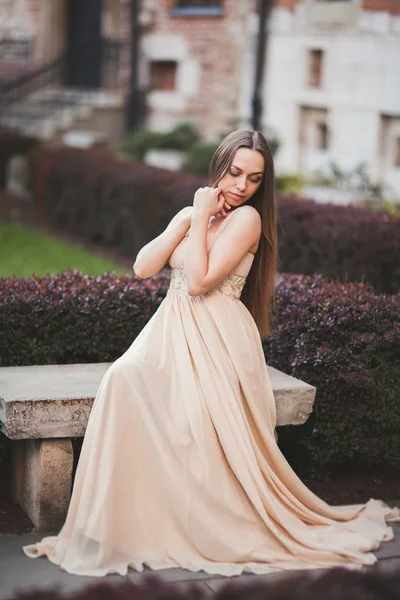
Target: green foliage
{"type": "Point", "coordinates": [198, 158]}
{"type": "Point", "coordinates": [13, 143]}
{"type": "Point", "coordinates": [182, 137]}
{"type": "Point", "coordinates": [391, 208]}
{"type": "Point", "coordinates": [186, 138]}
{"type": "Point", "coordinates": [356, 180]}
{"type": "Point", "coordinates": [287, 183]}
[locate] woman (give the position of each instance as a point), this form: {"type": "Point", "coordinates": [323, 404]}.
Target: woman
{"type": "Point", "coordinates": [179, 465]}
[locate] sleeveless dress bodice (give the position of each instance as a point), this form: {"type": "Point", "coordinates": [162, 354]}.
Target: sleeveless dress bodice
{"type": "Point", "coordinates": [231, 286]}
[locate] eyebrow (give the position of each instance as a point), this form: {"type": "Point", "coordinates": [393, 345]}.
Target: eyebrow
{"type": "Point", "coordinates": [256, 173]}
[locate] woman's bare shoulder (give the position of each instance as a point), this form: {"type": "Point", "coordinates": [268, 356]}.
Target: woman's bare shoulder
{"type": "Point", "coordinates": [246, 216]}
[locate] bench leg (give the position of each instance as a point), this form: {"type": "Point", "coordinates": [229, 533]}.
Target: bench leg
{"type": "Point", "coordinates": [42, 480]}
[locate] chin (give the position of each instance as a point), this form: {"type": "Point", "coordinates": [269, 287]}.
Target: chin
{"type": "Point", "coordinates": [231, 200]}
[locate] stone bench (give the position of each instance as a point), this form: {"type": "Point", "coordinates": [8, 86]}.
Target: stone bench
{"type": "Point", "coordinates": [43, 407]}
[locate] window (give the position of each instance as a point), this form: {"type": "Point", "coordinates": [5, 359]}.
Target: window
{"type": "Point", "coordinates": [397, 153]}
{"type": "Point", "coordinates": [196, 8]}
{"type": "Point", "coordinates": [163, 74]}
{"type": "Point", "coordinates": [321, 136]}
{"type": "Point", "coordinates": [316, 58]}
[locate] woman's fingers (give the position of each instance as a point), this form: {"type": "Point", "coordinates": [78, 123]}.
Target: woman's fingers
{"type": "Point", "coordinates": [213, 200]}
{"type": "Point", "coordinates": [223, 206]}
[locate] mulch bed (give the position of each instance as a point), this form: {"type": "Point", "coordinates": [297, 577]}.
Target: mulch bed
{"type": "Point", "coordinates": [341, 488]}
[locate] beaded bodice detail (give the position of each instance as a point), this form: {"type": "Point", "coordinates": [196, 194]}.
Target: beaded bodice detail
{"type": "Point", "coordinates": [231, 286]}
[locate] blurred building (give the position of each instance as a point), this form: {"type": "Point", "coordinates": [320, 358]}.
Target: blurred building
{"type": "Point", "coordinates": [189, 62]}
{"type": "Point", "coordinates": [64, 64]}
{"type": "Point", "coordinates": [332, 86]}
{"type": "Point", "coordinates": [330, 91]}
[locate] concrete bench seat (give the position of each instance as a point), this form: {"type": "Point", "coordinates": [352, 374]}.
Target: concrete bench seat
{"type": "Point", "coordinates": [43, 407]}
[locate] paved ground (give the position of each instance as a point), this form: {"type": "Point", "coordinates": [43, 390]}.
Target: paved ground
{"type": "Point", "coordinates": [17, 572]}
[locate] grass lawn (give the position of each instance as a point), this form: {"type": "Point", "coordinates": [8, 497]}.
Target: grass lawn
{"type": "Point", "coordinates": [24, 252]}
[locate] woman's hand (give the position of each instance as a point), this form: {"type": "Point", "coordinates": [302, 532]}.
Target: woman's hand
{"type": "Point", "coordinates": [210, 201]}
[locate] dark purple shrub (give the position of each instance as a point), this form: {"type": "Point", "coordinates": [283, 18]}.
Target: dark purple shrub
{"type": "Point", "coordinates": [117, 203]}
{"type": "Point", "coordinates": [345, 340]}
{"type": "Point", "coordinates": [342, 338]}
{"type": "Point", "coordinates": [337, 583]}
{"type": "Point", "coordinates": [340, 242]}
{"type": "Point", "coordinates": [74, 318]}
{"type": "Point", "coordinates": [124, 205]}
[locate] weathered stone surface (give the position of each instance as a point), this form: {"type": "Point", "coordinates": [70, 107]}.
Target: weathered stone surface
{"type": "Point", "coordinates": [55, 400]}
{"type": "Point", "coordinates": [48, 400]}
{"type": "Point", "coordinates": [294, 398]}
{"type": "Point", "coordinates": [42, 480]}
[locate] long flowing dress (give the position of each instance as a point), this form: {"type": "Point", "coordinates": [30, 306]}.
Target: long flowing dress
{"type": "Point", "coordinates": [180, 467]}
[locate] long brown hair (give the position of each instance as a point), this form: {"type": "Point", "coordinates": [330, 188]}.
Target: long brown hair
{"type": "Point", "coordinates": [259, 291]}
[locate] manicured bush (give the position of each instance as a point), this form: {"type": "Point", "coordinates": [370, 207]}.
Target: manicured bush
{"type": "Point", "coordinates": [104, 200]}
{"type": "Point", "coordinates": [199, 157]}
{"type": "Point", "coordinates": [124, 204]}
{"type": "Point", "coordinates": [12, 142]}
{"type": "Point", "coordinates": [74, 318]}
{"type": "Point", "coordinates": [290, 183]}
{"type": "Point", "coordinates": [342, 338]}
{"type": "Point", "coordinates": [335, 583]}
{"type": "Point", "coordinates": [181, 137]}
{"type": "Point", "coordinates": [345, 340]}
{"type": "Point", "coordinates": [341, 242]}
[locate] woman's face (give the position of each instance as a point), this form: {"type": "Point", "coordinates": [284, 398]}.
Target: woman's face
{"type": "Point", "coordinates": [243, 177]}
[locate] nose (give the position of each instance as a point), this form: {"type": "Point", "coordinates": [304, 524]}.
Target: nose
{"type": "Point", "coordinates": [241, 183]}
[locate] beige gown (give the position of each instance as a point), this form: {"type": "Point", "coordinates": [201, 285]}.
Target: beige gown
{"type": "Point", "coordinates": [179, 465]}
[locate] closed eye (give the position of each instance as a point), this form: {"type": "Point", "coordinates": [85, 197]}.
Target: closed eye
{"type": "Point", "coordinates": [252, 180]}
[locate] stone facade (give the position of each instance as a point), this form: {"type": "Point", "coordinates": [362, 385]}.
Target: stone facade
{"type": "Point", "coordinates": [348, 110]}
{"type": "Point", "coordinates": [390, 6]}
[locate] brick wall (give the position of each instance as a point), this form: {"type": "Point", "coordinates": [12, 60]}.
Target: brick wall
{"type": "Point", "coordinates": [34, 11]}
{"type": "Point", "coordinates": [290, 4]}
{"type": "Point", "coordinates": [392, 6]}
{"type": "Point", "coordinates": [217, 43]}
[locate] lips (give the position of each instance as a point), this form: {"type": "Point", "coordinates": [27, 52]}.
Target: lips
{"type": "Point", "coordinates": [237, 196]}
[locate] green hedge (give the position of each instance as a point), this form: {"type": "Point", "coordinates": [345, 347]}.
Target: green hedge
{"type": "Point", "coordinates": [182, 137]}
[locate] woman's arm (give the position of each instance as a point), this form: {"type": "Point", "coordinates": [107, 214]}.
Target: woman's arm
{"type": "Point", "coordinates": [205, 270]}
{"type": "Point", "coordinates": [153, 256]}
